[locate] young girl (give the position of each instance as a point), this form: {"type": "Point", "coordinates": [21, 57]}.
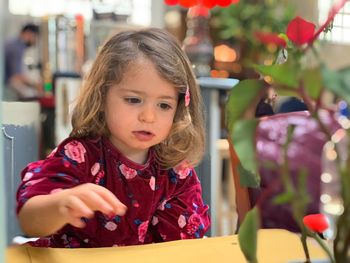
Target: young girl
{"type": "Point", "coordinates": [124, 176]}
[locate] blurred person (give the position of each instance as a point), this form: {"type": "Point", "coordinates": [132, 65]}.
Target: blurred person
{"type": "Point", "coordinates": [266, 103]}
{"type": "Point", "coordinates": [291, 104]}
{"type": "Point", "coordinates": [18, 84]}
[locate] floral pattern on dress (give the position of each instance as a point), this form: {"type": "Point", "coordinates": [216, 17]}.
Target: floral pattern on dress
{"type": "Point", "coordinates": [95, 168]}
{"type": "Point", "coordinates": [99, 178]}
{"type": "Point", "coordinates": [181, 221]}
{"type": "Point", "coordinates": [111, 226]}
{"type": "Point", "coordinates": [35, 166]}
{"type": "Point", "coordinates": [183, 170]}
{"type": "Point", "coordinates": [142, 230]}
{"type": "Point", "coordinates": [128, 172]}
{"type": "Point", "coordinates": [155, 220]}
{"type": "Point", "coordinates": [27, 176]}
{"type": "Point", "coordinates": [75, 151]}
{"type": "Point", "coordinates": [194, 224]}
{"type": "Point", "coordinates": [152, 183]}
{"type": "Point", "coordinates": [162, 204]}
{"type": "Point", "coordinates": [33, 182]}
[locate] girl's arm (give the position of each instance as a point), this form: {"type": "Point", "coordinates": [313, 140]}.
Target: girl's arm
{"type": "Point", "coordinates": [44, 215]}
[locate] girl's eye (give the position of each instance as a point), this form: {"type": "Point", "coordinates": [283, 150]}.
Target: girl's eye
{"type": "Point", "coordinates": [165, 106]}
{"type": "Point", "coordinates": [132, 100]}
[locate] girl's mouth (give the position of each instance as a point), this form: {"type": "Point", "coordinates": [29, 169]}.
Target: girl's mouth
{"type": "Point", "coordinates": [143, 135]}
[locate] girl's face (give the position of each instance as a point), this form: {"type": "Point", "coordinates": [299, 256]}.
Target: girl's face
{"type": "Point", "coordinates": [140, 110]}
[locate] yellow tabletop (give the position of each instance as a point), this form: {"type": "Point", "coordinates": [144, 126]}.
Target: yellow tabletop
{"type": "Point", "coordinates": [274, 246]}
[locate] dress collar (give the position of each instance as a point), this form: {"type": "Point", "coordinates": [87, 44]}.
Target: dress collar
{"type": "Point", "coordinates": [125, 160]}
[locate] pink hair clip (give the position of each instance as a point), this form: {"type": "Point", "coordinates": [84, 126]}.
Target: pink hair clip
{"type": "Point", "coordinates": [187, 97]}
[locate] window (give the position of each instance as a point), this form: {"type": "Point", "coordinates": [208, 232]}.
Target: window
{"type": "Point", "coordinates": [341, 25]}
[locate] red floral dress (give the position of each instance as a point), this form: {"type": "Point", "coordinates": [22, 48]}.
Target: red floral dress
{"type": "Point", "coordinates": [163, 205]}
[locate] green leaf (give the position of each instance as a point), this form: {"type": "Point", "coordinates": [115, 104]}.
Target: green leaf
{"type": "Point", "coordinates": [337, 82]}
{"type": "Point", "coordinates": [312, 82]}
{"type": "Point", "coordinates": [284, 74]}
{"type": "Point", "coordinates": [283, 198]}
{"type": "Point", "coordinates": [247, 235]}
{"type": "Point", "coordinates": [240, 97]}
{"type": "Point", "coordinates": [243, 139]}
{"type": "Point", "coordinates": [247, 178]}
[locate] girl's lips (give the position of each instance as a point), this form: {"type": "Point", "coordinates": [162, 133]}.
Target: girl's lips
{"type": "Point", "coordinates": [143, 135]}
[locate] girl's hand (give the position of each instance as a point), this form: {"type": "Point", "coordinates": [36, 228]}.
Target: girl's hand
{"type": "Point", "coordinates": [84, 200]}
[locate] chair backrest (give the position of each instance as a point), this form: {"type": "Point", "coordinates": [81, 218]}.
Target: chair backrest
{"type": "Point", "coordinates": [243, 203]}
{"type": "Point", "coordinates": [20, 130]}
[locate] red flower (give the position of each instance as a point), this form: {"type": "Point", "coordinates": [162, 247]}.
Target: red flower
{"type": "Point", "coordinates": [270, 38]}
{"type": "Point", "coordinates": [223, 3]}
{"type": "Point", "coordinates": [188, 3]}
{"type": "Point", "coordinates": [204, 3]}
{"type": "Point", "coordinates": [171, 2]}
{"type": "Point", "coordinates": [316, 222]}
{"type": "Point", "coordinates": [208, 3]}
{"type": "Point", "coordinates": [300, 31]}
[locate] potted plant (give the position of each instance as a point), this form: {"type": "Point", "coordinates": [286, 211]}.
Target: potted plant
{"type": "Point", "coordinates": [293, 74]}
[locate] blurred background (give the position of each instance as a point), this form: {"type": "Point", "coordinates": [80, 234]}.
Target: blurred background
{"type": "Point", "coordinates": [218, 36]}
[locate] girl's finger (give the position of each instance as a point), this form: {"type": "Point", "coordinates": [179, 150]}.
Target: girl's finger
{"type": "Point", "coordinates": [118, 207]}
{"type": "Point", "coordinates": [74, 207]}
{"type": "Point", "coordinates": [77, 222]}
{"type": "Point", "coordinates": [97, 203]}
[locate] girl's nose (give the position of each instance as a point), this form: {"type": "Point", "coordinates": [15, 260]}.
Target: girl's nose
{"type": "Point", "coordinates": [147, 115]}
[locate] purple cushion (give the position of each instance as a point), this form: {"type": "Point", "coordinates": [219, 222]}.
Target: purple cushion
{"type": "Point", "coordinates": [305, 152]}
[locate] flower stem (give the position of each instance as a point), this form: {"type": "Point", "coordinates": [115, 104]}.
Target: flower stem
{"type": "Point", "coordinates": [324, 247]}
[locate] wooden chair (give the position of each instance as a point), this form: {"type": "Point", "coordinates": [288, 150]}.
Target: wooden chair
{"type": "Point", "coordinates": [243, 203]}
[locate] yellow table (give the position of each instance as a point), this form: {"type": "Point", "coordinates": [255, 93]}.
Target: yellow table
{"type": "Point", "coordinates": [274, 246]}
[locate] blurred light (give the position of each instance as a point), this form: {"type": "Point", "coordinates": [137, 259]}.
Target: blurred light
{"type": "Point", "coordinates": [329, 146]}
{"type": "Point", "coordinates": [325, 198]}
{"type": "Point", "coordinates": [224, 53]}
{"type": "Point", "coordinates": [338, 135]}
{"type": "Point", "coordinates": [219, 73]}
{"type": "Point", "coordinates": [268, 79]}
{"type": "Point", "coordinates": [326, 177]}
{"type": "Point", "coordinates": [173, 19]}
{"type": "Point", "coordinates": [223, 74]}
{"type": "Point", "coordinates": [236, 68]}
{"type": "Point", "coordinates": [214, 73]}
{"type": "Point", "coordinates": [141, 12]}
{"type": "Point", "coordinates": [344, 122]}
{"type": "Point", "coordinates": [334, 208]}
{"type": "Point", "coordinates": [271, 48]}
{"type": "Point", "coordinates": [342, 105]}
{"type": "Point", "coordinates": [268, 62]}
{"type": "Point", "coordinates": [331, 155]}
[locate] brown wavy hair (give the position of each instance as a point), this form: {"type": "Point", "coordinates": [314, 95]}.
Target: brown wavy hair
{"type": "Point", "coordinates": [187, 135]}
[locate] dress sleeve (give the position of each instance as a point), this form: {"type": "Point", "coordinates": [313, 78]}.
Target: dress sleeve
{"type": "Point", "coordinates": [64, 168]}
{"type": "Point", "coordinates": [182, 215]}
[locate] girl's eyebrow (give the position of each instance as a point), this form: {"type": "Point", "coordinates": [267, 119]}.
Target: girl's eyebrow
{"type": "Point", "coordinates": [144, 93]}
